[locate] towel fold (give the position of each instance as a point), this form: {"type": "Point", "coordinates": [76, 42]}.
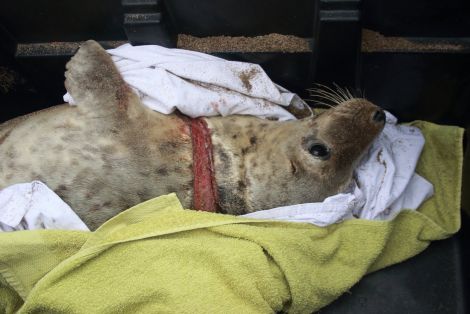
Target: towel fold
{"type": "Point", "coordinates": [201, 85]}
{"type": "Point", "coordinates": [32, 206]}
{"type": "Point", "coordinates": [159, 258]}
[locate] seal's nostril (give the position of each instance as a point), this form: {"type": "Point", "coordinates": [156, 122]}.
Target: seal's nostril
{"type": "Point", "coordinates": [379, 116]}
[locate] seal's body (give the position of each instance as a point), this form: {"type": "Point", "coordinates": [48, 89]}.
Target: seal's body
{"type": "Point", "coordinates": [110, 152]}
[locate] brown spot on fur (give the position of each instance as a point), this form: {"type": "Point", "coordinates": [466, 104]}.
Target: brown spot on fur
{"type": "Point", "coordinates": [234, 136]}
{"type": "Point", "coordinates": [293, 167]}
{"type": "Point", "coordinates": [189, 186]}
{"type": "Point", "coordinates": [162, 171]}
{"type": "Point", "coordinates": [63, 125]}
{"type": "Point", "coordinates": [168, 147]}
{"type": "Point", "coordinates": [109, 149]}
{"type": "Point", "coordinates": [170, 189]}
{"type": "Point", "coordinates": [257, 177]}
{"type": "Point", "coordinates": [67, 137]}
{"type": "Point", "coordinates": [4, 136]}
{"type": "Point", "coordinates": [144, 173]}
{"type": "Point", "coordinates": [11, 153]}
{"type": "Point", "coordinates": [60, 189]}
{"type": "Point", "coordinates": [241, 185]}
{"type": "Point", "coordinates": [97, 186]}
{"type": "Point", "coordinates": [122, 96]}
{"type": "Point", "coordinates": [269, 155]}
{"type": "Point", "coordinates": [229, 199]}
{"type": "Point", "coordinates": [90, 148]}
{"type": "Point", "coordinates": [104, 158]}
{"type": "Point", "coordinates": [312, 124]}
{"type": "Point", "coordinates": [224, 158]}
{"type": "Point", "coordinates": [253, 140]}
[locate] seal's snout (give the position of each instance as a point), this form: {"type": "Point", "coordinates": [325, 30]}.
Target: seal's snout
{"type": "Point", "coordinates": [379, 116]}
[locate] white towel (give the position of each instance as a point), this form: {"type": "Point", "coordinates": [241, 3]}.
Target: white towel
{"type": "Point", "coordinates": [202, 85]}
{"type": "Point", "coordinates": [30, 206]}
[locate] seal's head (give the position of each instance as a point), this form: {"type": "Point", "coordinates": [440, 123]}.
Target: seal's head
{"type": "Point", "coordinates": [285, 163]}
{"type": "Point", "coordinates": [336, 141]}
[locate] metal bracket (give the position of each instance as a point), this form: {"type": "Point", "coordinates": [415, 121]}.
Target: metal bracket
{"type": "Point", "coordinates": [337, 42]}
{"type": "Point", "coordinates": [147, 22]}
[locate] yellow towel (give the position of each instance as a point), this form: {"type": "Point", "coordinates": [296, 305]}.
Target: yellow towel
{"type": "Point", "coordinates": [159, 258]}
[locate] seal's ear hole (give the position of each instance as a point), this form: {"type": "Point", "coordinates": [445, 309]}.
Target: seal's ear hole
{"type": "Point", "coordinates": [319, 151]}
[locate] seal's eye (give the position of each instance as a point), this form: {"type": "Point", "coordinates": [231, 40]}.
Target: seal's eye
{"type": "Point", "coordinates": [319, 151]}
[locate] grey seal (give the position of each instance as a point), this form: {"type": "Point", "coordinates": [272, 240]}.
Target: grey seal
{"type": "Point", "coordinates": [110, 152]}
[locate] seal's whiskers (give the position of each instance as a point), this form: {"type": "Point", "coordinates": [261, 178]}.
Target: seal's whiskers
{"type": "Point", "coordinates": [325, 95]}
{"type": "Point", "coordinates": [319, 102]}
{"type": "Point", "coordinates": [323, 100]}
{"type": "Point", "coordinates": [344, 92]}
{"type": "Point", "coordinates": [328, 90]}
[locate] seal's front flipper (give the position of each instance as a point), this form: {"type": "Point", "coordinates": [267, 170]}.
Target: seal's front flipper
{"type": "Point", "coordinates": [96, 85]}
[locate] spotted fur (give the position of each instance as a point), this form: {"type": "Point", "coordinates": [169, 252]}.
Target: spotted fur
{"type": "Point", "coordinates": [109, 152]}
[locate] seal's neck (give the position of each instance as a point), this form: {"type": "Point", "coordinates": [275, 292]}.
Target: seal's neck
{"type": "Point", "coordinates": [235, 141]}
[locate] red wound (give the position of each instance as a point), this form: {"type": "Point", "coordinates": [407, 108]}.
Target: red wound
{"type": "Point", "coordinates": [205, 189]}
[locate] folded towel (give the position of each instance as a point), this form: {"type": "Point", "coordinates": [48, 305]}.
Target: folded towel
{"type": "Point", "coordinates": [31, 206]}
{"type": "Point", "coordinates": [201, 85]}
{"type": "Point", "coordinates": [158, 258]}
